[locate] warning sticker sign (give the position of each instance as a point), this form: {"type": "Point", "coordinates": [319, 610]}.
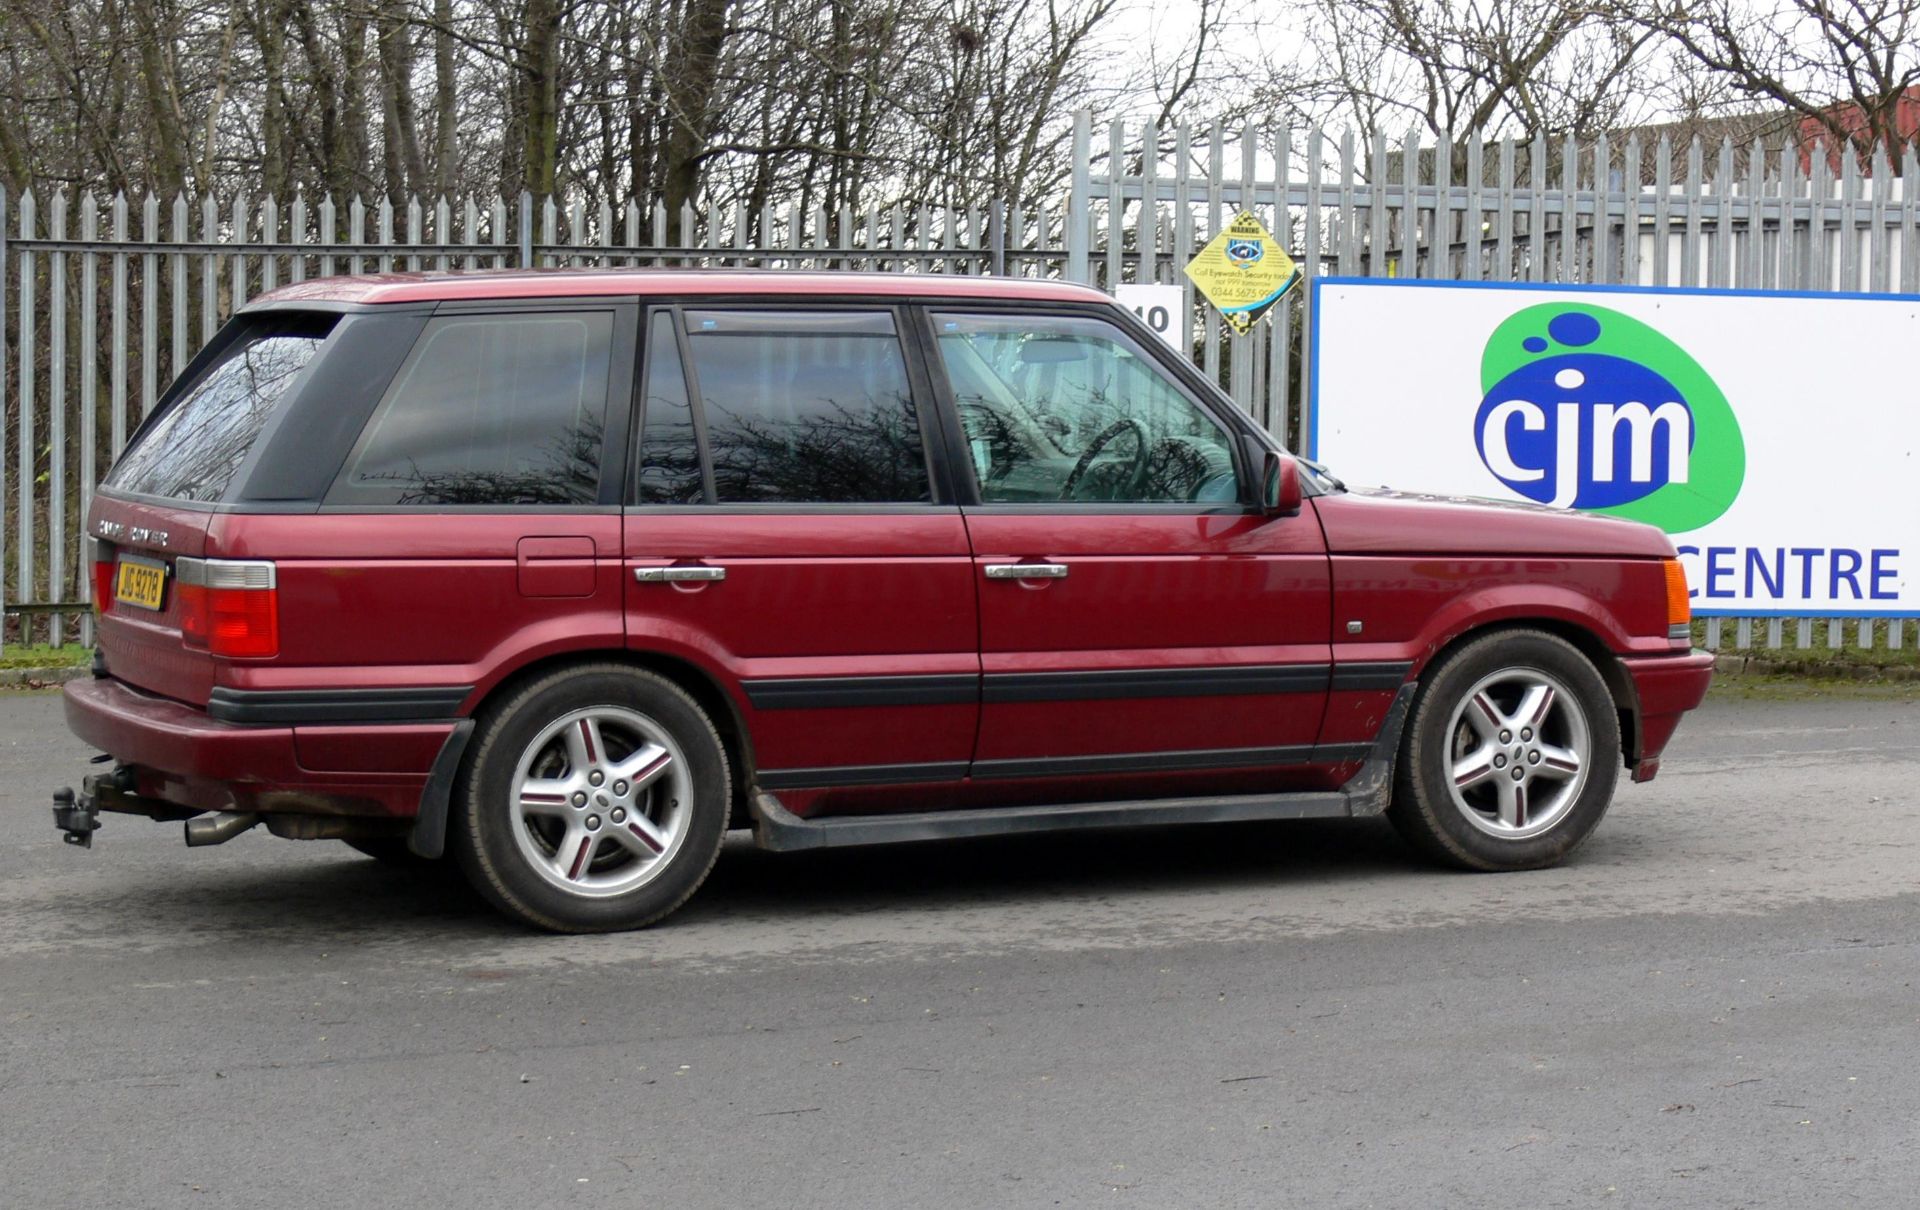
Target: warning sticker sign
{"type": "Point", "coordinates": [1243, 271]}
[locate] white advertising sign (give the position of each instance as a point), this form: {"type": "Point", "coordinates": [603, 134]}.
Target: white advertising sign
{"type": "Point", "coordinates": [1772, 435]}
{"type": "Point", "coordinates": [1163, 310]}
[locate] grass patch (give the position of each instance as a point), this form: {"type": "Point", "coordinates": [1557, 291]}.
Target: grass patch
{"type": "Point", "coordinates": [1809, 661]}
{"type": "Point", "coordinates": [1786, 688]}
{"type": "Point", "coordinates": [41, 655]}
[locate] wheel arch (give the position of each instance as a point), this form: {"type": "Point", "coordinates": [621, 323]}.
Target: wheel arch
{"type": "Point", "coordinates": [699, 683]}
{"type": "Point", "coordinates": [1626, 700]}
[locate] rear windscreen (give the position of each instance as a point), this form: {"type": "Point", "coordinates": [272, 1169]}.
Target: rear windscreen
{"type": "Point", "coordinates": [201, 437]}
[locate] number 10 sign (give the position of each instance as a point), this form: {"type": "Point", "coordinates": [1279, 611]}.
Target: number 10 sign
{"type": "Point", "coordinates": [1163, 310]}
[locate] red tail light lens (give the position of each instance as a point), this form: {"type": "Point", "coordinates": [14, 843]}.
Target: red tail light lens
{"type": "Point", "coordinates": [102, 576]}
{"type": "Point", "coordinates": [229, 607]}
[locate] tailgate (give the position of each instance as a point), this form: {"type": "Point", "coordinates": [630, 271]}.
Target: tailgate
{"type": "Point", "coordinates": [141, 642]}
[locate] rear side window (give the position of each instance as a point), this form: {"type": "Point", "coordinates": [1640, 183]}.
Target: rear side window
{"type": "Point", "coordinates": [805, 407]}
{"type": "Point", "coordinates": [490, 409]}
{"type": "Point", "coordinates": [199, 440]}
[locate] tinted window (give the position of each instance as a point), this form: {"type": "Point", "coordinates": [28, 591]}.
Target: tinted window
{"type": "Point", "coordinates": [807, 407]}
{"type": "Point", "coordinates": [1059, 408]}
{"type": "Point", "coordinates": [491, 409]}
{"type": "Point", "coordinates": [669, 447]}
{"type": "Point", "coordinates": [197, 443]}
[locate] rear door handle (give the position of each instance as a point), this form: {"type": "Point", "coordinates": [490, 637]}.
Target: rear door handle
{"type": "Point", "coordinates": [678, 575]}
{"type": "Point", "coordinates": [1026, 571]}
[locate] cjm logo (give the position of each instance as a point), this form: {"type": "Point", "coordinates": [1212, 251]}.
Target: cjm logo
{"type": "Point", "coordinates": [1586, 452]}
{"type": "Point", "coordinates": [1589, 408]}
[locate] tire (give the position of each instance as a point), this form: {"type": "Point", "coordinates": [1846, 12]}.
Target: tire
{"type": "Point", "coordinates": [393, 851]}
{"type": "Point", "coordinates": [1456, 796]}
{"type": "Point", "coordinates": [594, 800]}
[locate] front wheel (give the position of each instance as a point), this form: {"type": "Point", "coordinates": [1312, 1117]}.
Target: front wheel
{"type": "Point", "coordinates": [595, 800]}
{"type": "Point", "coordinates": [1511, 754]}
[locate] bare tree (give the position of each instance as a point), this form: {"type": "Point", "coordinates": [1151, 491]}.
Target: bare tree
{"type": "Point", "coordinates": [1850, 68]}
{"type": "Point", "coordinates": [1484, 66]}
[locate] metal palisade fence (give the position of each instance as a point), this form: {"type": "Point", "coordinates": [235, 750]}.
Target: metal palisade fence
{"type": "Point", "coordinates": [103, 300]}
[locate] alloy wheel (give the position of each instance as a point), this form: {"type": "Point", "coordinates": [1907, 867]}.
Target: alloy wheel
{"type": "Point", "coordinates": [1519, 753]}
{"type": "Point", "coordinates": [601, 801]}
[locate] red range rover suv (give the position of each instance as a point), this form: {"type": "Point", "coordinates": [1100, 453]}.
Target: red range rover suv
{"type": "Point", "coordinates": [564, 574]}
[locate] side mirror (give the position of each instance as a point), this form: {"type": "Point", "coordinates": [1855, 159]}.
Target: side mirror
{"type": "Point", "coordinates": [1279, 485]}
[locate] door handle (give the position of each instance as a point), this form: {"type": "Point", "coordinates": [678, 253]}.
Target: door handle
{"type": "Point", "coordinates": [678, 575]}
{"type": "Point", "coordinates": [1026, 571]}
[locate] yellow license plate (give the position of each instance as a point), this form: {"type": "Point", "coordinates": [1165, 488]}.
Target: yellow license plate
{"type": "Point", "coordinates": [140, 584]}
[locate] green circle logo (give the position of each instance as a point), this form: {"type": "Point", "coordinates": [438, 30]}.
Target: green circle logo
{"type": "Point", "coordinates": [1584, 407]}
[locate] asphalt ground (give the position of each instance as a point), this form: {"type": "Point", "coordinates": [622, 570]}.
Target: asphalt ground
{"type": "Point", "coordinates": [1712, 1004]}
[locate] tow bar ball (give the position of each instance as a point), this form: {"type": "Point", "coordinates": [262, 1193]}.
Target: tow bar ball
{"type": "Point", "coordinates": [77, 820]}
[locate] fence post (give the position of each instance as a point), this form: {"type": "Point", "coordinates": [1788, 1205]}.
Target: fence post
{"type": "Point", "coordinates": [526, 229]}
{"type": "Point", "coordinates": [997, 233]}
{"type": "Point", "coordinates": [24, 442]}
{"type": "Point", "coordinates": [1080, 201]}
{"type": "Point", "coordinates": [4, 215]}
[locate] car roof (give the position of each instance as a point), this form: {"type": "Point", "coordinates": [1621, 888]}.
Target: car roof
{"type": "Point", "coordinates": [378, 288]}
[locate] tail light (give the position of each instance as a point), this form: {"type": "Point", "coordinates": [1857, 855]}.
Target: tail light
{"type": "Point", "coordinates": [1679, 607]}
{"type": "Point", "coordinates": [102, 556]}
{"type": "Point", "coordinates": [230, 607]}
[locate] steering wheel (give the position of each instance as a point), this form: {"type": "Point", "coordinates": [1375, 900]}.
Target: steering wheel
{"type": "Point", "coordinates": [1100, 443]}
{"type": "Point", "coordinates": [1175, 470]}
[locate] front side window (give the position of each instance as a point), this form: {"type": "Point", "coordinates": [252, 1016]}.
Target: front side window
{"type": "Point", "coordinates": [805, 407]}
{"type": "Point", "coordinates": [1069, 409]}
{"type": "Point", "coordinates": [490, 410]}
{"type": "Point", "coordinates": [197, 444]}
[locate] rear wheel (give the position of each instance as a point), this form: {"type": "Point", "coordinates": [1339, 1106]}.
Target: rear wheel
{"type": "Point", "coordinates": [1511, 754]}
{"type": "Point", "coordinates": [595, 800]}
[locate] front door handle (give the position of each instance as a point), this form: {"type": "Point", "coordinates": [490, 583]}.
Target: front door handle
{"type": "Point", "coordinates": [1026, 571]}
{"type": "Point", "coordinates": [678, 575]}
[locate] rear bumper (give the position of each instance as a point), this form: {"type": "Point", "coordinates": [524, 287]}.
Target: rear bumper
{"type": "Point", "coordinates": [1666, 687]}
{"type": "Point", "coordinates": [182, 755]}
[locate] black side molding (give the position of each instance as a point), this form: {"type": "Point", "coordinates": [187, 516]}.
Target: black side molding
{"type": "Point", "coordinates": [828, 692]}
{"type": "Point", "coordinates": [1143, 762]}
{"type": "Point", "coordinates": [266, 706]}
{"type": "Point", "coordinates": [1368, 792]}
{"type": "Point", "coordinates": [1383, 674]}
{"type": "Point", "coordinates": [862, 775]}
{"type": "Point", "coordinates": [1156, 682]}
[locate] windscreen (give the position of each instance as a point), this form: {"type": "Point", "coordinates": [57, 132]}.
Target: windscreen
{"type": "Point", "coordinates": [198, 442]}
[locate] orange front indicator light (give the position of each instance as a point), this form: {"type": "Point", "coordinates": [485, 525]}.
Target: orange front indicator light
{"type": "Point", "coordinates": [1679, 607]}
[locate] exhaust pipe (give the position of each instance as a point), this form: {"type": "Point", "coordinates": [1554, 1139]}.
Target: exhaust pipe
{"type": "Point", "coordinates": [219, 827]}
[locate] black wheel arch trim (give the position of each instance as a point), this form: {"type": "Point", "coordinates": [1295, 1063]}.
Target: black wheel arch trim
{"type": "Point", "coordinates": [428, 837]}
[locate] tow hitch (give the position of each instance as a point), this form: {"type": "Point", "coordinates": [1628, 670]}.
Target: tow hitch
{"type": "Point", "coordinates": [78, 815]}
{"type": "Point", "coordinates": [78, 819]}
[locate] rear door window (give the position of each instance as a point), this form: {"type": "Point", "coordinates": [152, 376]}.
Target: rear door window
{"type": "Point", "coordinates": [490, 410]}
{"type": "Point", "coordinates": [800, 407]}
{"type": "Point", "coordinates": [670, 449]}
{"type": "Point", "coordinates": [199, 440]}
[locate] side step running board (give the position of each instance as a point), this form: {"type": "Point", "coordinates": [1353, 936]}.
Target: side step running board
{"type": "Point", "coordinates": [1366, 793]}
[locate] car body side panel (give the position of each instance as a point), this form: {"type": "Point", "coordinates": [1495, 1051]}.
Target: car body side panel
{"type": "Point", "coordinates": [1238, 598]}
{"type": "Point", "coordinates": [847, 640]}
{"type": "Point", "coordinates": [1374, 522]}
{"type": "Point", "coordinates": [414, 599]}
